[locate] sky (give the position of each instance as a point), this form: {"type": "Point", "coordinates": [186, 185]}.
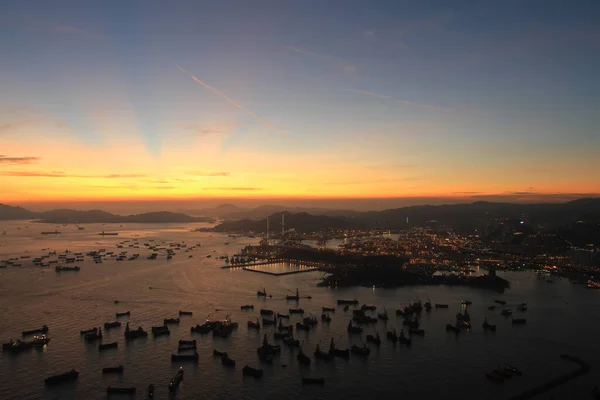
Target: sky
{"type": "Point", "coordinates": [182, 100]}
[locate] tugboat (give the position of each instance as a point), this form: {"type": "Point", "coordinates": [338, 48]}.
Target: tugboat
{"type": "Point", "coordinates": [360, 351]}
{"type": "Point", "coordinates": [174, 383]}
{"type": "Point", "coordinates": [65, 377]}
{"type": "Point", "coordinates": [303, 358]}
{"type": "Point", "coordinates": [374, 339]}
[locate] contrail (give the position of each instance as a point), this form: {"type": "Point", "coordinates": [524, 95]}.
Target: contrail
{"type": "Point", "coordinates": [216, 91]}
{"type": "Point", "coordinates": [410, 103]}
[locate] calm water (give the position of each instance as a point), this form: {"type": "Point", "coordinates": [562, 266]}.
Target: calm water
{"type": "Point", "coordinates": [562, 318]}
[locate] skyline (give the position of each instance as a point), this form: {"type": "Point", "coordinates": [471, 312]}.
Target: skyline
{"type": "Point", "coordinates": [156, 101]}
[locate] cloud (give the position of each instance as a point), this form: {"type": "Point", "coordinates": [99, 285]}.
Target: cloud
{"type": "Point", "coordinates": [17, 160]}
{"type": "Point", "coordinates": [410, 103]}
{"type": "Point", "coordinates": [201, 173]}
{"type": "Point", "coordinates": [219, 93]}
{"type": "Point", "coordinates": [21, 119]}
{"type": "Point", "coordinates": [467, 192]}
{"type": "Point", "coordinates": [371, 181]}
{"type": "Point", "coordinates": [368, 33]}
{"type": "Point", "coordinates": [235, 188]}
{"type": "Point", "coordinates": [337, 62]}
{"type": "Point", "coordinates": [58, 174]}
{"type": "Point", "coordinates": [111, 176]}
{"type": "Point", "coordinates": [71, 29]}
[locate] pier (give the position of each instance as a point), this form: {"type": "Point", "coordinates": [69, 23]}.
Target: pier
{"type": "Point", "coordinates": [315, 264]}
{"type": "Point", "coordinates": [555, 382]}
{"type": "Point", "coordinates": [281, 273]}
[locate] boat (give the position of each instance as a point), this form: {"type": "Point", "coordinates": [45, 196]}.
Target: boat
{"type": "Point", "coordinates": [205, 328]}
{"type": "Point", "coordinates": [185, 312]}
{"type": "Point", "coordinates": [466, 302]}
{"type": "Point", "coordinates": [302, 327]}
{"type": "Point", "coordinates": [187, 342]}
{"type": "Point", "coordinates": [176, 380]}
{"type": "Point", "coordinates": [59, 268]}
{"type": "Point", "coordinates": [441, 305]}
{"type": "Point", "coordinates": [291, 342]}
{"type": "Point", "coordinates": [313, 381]}
{"type": "Point", "coordinates": [501, 372]}
{"type": "Point", "coordinates": [268, 349]}
{"type": "Point", "coordinates": [106, 346]}
{"type": "Point", "coordinates": [346, 308]}
{"type": "Point", "coordinates": [42, 330]}
{"type": "Point", "coordinates": [513, 370]}
{"type": "Point", "coordinates": [519, 321]}
{"type": "Point", "coordinates": [174, 321]}
{"type": "Point", "coordinates": [285, 316]}
{"type": "Point", "coordinates": [360, 351]}
{"type": "Point", "coordinates": [491, 307]}
{"type": "Point", "coordinates": [218, 353]}
{"type": "Point", "coordinates": [294, 298]}
{"type": "Point", "coordinates": [392, 335]}
{"type": "Point", "coordinates": [282, 327]}
{"type": "Point", "coordinates": [247, 307]}
{"type": "Point", "coordinates": [60, 378]}
{"type": "Point", "coordinates": [506, 312]}
{"type": "Point", "coordinates": [228, 362]}
{"type": "Point", "coordinates": [280, 335]}
{"type": "Point", "coordinates": [109, 325]}
{"type": "Point", "coordinates": [134, 334]}
{"type": "Point", "coordinates": [254, 325]}
{"type": "Point", "coordinates": [404, 340]}
{"type": "Point", "coordinates": [93, 336]}
{"type": "Point", "coordinates": [184, 357]}
{"type": "Point", "coordinates": [374, 339]}
{"type": "Point", "coordinates": [353, 329]}
{"type": "Point", "coordinates": [264, 311]}
{"type": "Point", "coordinates": [365, 307]}
{"type": "Point", "coordinates": [321, 354]}
{"type": "Point", "coordinates": [488, 327]}
{"type": "Point", "coordinates": [348, 302]}
{"type": "Point", "coordinates": [303, 358]}
{"type": "Point", "coordinates": [328, 309]}
{"type": "Point", "coordinates": [417, 332]}
{"type": "Point", "coordinates": [150, 391]}
{"type": "Point", "coordinates": [186, 347]}
{"type": "Point", "coordinates": [411, 323]}
{"type": "Point", "coordinates": [262, 293]}
{"type": "Point", "coordinates": [383, 316]}
{"type": "Point", "coordinates": [494, 377]}
{"type": "Point", "coordinates": [123, 314]}
{"type": "Point", "coordinates": [160, 330]}
{"type": "Point", "coordinates": [249, 371]}
{"type": "Point", "coordinates": [311, 321]}
{"type": "Point", "coordinates": [325, 318]}
{"type": "Point", "coordinates": [502, 302]}
{"type": "Point", "coordinates": [296, 311]}
{"type": "Point", "coordinates": [113, 370]}
{"type": "Point", "coordinates": [452, 328]}
{"type": "Point", "coordinates": [16, 346]}
{"type": "Point", "coordinates": [522, 308]}
{"type": "Point", "coordinates": [269, 321]}
{"type": "Point", "coordinates": [333, 352]}
{"type": "Point", "coordinates": [427, 306]}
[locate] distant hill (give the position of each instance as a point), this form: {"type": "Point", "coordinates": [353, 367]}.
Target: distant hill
{"type": "Point", "coordinates": [230, 211]}
{"type": "Point", "coordinates": [65, 216]}
{"type": "Point", "coordinates": [300, 222]}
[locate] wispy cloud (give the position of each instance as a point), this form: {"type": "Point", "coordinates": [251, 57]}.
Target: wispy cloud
{"type": "Point", "coordinates": [58, 174]}
{"type": "Point", "coordinates": [371, 181]}
{"type": "Point", "coordinates": [219, 93]}
{"type": "Point", "coordinates": [71, 29]}
{"type": "Point", "coordinates": [111, 176]}
{"type": "Point", "coordinates": [204, 173]}
{"type": "Point", "coordinates": [235, 188]}
{"type": "Point", "coordinates": [410, 103]}
{"type": "Point", "coordinates": [337, 62]}
{"type": "Point", "coordinates": [17, 160]}
{"type": "Point", "coordinates": [368, 33]}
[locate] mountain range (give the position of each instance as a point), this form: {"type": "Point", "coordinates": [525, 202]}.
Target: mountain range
{"type": "Point", "coordinates": [65, 216]}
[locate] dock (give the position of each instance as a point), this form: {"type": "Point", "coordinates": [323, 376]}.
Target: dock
{"type": "Point", "coordinates": [281, 273]}
{"type": "Point", "coordinates": [275, 261]}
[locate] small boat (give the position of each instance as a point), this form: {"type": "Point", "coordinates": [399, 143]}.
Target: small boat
{"type": "Point", "coordinates": [313, 381]}
{"type": "Point", "coordinates": [347, 302]}
{"type": "Point", "coordinates": [120, 390]}
{"type": "Point", "coordinates": [174, 383]}
{"type": "Point", "coordinates": [113, 370]}
{"type": "Point", "coordinates": [186, 347]}
{"type": "Point", "coordinates": [65, 377]}
{"type": "Point", "coordinates": [17, 346]}
{"type": "Point", "coordinates": [205, 328]}
{"type": "Point", "coordinates": [466, 302]}
{"type": "Point", "coordinates": [491, 307]}
{"type": "Point", "coordinates": [294, 298]}
{"type": "Point", "coordinates": [374, 339]}
{"type": "Point", "coordinates": [280, 335]}
{"type": "Point", "coordinates": [160, 330]}
{"type": "Point", "coordinates": [285, 316]}
{"type": "Point", "coordinates": [441, 305]}
{"type": "Point", "coordinates": [519, 321]}
{"type": "Point", "coordinates": [502, 302]}
{"type": "Point", "coordinates": [269, 321]}
{"type": "Point", "coordinates": [247, 307]}
{"type": "Point", "coordinates": [321, 354]}
{"type": "Point", "coordinates": [264, 311]}
{"type": "Point", "coordinates": [303, 358]}
{"type": "Point", "coordinates": [354, 329]}
{"type": "Point", "coordinates": [365, 307]}
{"type": "Point", "coordinates": [282, 327]}
{"type": "Point", "coordinates": [134, 334]}
{"type": "Point", "coordinates": [328, 309]}
{"type": "Point", "coordinates": [249, 371]}
{"type": "Point", "coordinates": [85, 332]}
{"type": "Point", "coordinates": [333, 352]}
{"type": "Point", "coordinates": [185, 312]}
{"type": "Point", "coordinates": [383, 316]}
{"type": "Point", "coordinates": [392, 335]}
{"type": "Point", "coordinates": [296, 311]}
{"type": "Point", "coordinates": [360, 351]}
{"type": "Point", "coordinates": [106, 346]}
{"type": "Point", "coordinates": [254, 325]}
{"type": "Point", "coordinates": [522, 308]}
{"type": "Point", "coordinates": [187, 342]}
{"type": "Point", "coordinates": [228, 362]}
{"type": "Point", "coordinates": [262, 293]}
{"type": "Point", "coordinates": [43, 330]}
{"type": "Point", "coordinates": [184, 357]}
{"type": "Point", "coordinates": [109, 325]}
{"type": "Point", "coordinates": [506, 312]}
{"type": "Point", "coordinates": [123, 314]}
{"type": "Point", "coordinates": [92, 337]}
{"type": "Point", "coordinates": [218, 353]}
{"type": "Point", "coordinates": [174, 321]}
{"type": "Point", "coordinates": [452, 328]}
{"type": "Point", "coordinates": [325, 318]}
{"type": "Point", "coordinates": [417, 332]}
{"type": "Point", "coordinates": [302, 327]}
{"type": "Point", "coordinates": [404, 340]}
{"type": "Point", "coordinates": [501, 372]}
{"type": "Point", "coordinates": [346, 308]}
{"type": "Point", "coordinates": [291, 342]}
{"type": "Point", "coordinates": [312, 321]}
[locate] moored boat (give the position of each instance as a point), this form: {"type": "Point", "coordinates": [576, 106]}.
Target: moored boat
{"type": "Point", "coordinates": [404, 340]}
{"type": "Point", "coordinates": [353, 329]}
{"type": "Point", "coordinates": [491, 307]}
{"type": "Point", "coordinates": [113, 370]}
{"type": "Point", "coordinates": [228, 362]}
{"type": "Point", "coordinates": [285, 316]}
{"type": "Point", "coordinates": [392, 335]}
{"type": "Point", "coordinates": [205, 328]}
{"type": "Point", "coordinates": [334, 352]}
{"type": "Point", "coordinates": [303, 358]}
{"type": "Point", "coordinates": [86, 331]}
{"type": "Point", "coordinates": [262, 293]}
{"type": "Point", "coordinates": [254, 325]}
{"type": "Point", "coordinates": [264, 311]}
{"type": "Point", "coordinates": [366, 307]}
{"type": "Point", "coordinates": [506, 312]}
{"type": "Point", "coordinates": [160, 330]}
{"type": "Point", "coordinates": [325, 318]}
{"type": "Point", "coordinates": [184, 357]}
{"type": "Point", "coordinates": [296, 311]}
{"type": "Point", "coordinates": [247, 307]}
{"type": "Point", "coordinates": [43, 330]}
{"type": "Point", "coordinates": [218, 353]}
{"type": "Point", "coordinates": [328, 309]}
{"type": "Point", "coordinates": [16, 346]}
{"type": "Point", "coordinates": [360, 351]}
{"type": "Point", "coordinates": [374, 339]}
{"type": "Point", "coordinates": [452, 328]}
{"type": "Point", "coordinates": [176, 380]}
{"type": "Point", "coordinates": [502, 302]}
{"type": "Point", "coordinates": [348, 302]}
{"type": "Point", "coordinates": [494, 377]}
{"type": "Point", "coordinates": [249, 371]}
{"type": "Point", "coordinates": [106, 346]}
{"type": "Point", "coordinates": [293, 298]}
{"type": "Point", "coordinates": [123, 314]}
{"type": "Point", "coordinates": [168, 321]}
{"type": "Point", "coordinates": [186, 313]}
{"type": "Point", "coordinates": [134, 334]}
{"type": "Point", "coordinates": [321, 354]}
{"type": "Point", "coordinates": [487, 326]}
{"type": "Point", "coordinates": [109, 325]}
{"type": "Point", "coordinates": [60, 378]}
{"type": "Point", "coordinates": [417, 332]}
